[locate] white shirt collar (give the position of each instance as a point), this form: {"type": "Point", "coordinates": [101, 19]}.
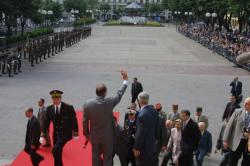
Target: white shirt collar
{"type": "Point", "coordinates": [143, 107]}
{"type": "Point", "coordinates": [59, 107]}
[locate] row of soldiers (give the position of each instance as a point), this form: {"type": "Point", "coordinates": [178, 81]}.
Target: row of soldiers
{"type": "Point", "coordinates": [39, 49]}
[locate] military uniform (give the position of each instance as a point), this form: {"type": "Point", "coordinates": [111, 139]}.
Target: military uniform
{"type": "Point", "coordinates": [64, 121]}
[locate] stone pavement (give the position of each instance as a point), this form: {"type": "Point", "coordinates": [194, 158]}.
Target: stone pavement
{"type": "Point", "coordinates": [172, 68]}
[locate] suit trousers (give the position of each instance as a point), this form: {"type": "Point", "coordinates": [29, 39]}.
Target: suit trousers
{"type": "Point", "coordinates": [102, 154]}
{"type": "Point", "coordinates": [144, 160]}
{"type": "Point", "coordinates": [47, 137]}
{"type": "Point", "coordinates": [186, 159]}
{"type": "Point", "coordinates": [236, 155]}
{"type": "Point", "coordinates": [166, 158]}
{"type": "Point", "coordinates": [59, 143]}
{"type": "Point", "coordinates": [34, 156]}
{"type": "Point", "coordinates": [200, 154]}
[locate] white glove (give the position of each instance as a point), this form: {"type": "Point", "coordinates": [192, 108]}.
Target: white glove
{"type": "Point", "coordinates": [42, 140]}
{"type": "Point", "coordinates": [76, 137]}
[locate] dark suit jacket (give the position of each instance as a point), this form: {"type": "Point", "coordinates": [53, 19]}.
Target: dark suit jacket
{"type": "Point", "coordinates": [190, 137]}
{"type": "Point", "coordinates": [146, 132]}
{"type": "Point", "coordinates": [161, 133]}
{"type": "Point", "coordinates": [229, 110]}
{"type": "Point", "coordinates": [66, 124]}
{"type": "Point", "coordinates": [33, 133]}
{"type": "Point", "coordinates": [136, 89]}
{"type": "Point", "coordinates": [236, 89]}
{"type": "Point", "coordinates": [205, 143]}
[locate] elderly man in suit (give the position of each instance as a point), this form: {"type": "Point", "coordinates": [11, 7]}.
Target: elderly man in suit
{"type": "Point", "coordinates": [98, 114]}
{"type": "Point", "coordinates": [236, 136]}
{"type": "Point", "coordinates": [205, 144]}
{"type": "Point", "coordinates": [236, 89]}
{"type": "Point", "coordinates": [174, 114]}
{"type": "Point", "coordinates": [32, 138]}
{"type": "Point", "coordinates": [190, 139]}
{"type": "Point", "coordinates": [200, 118]}
{"type": "Point", "coordinates": [42, 117]}
{"type": "Point", "coordinates": [65, 124]}
{"type": "Point", "coordinates": [146, 132]}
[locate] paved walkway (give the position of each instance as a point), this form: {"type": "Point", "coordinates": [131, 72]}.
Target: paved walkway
{"type": "Point", "coordinates": [172, 68]}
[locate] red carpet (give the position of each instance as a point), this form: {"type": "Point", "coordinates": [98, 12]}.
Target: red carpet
{"type": "Point", "coordinates": [73, 153]}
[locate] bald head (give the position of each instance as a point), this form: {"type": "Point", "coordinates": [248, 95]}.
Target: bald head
{"type": "Point", "coordinates": [169, 124]}
{"type": "Point", "coordinates": [101, 90]}
{"type": "Point", "coordinates": [247, 104]}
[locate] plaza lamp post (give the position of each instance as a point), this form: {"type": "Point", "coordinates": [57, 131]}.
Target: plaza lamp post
{"type": "Point", "coordinates": [46, 13]}
{"type": "Point", "coordinates": [211, 15]}
{"type": "Point", "coordinates": [177, 14]}
{"type": "Point", "coordinates": [75, 13]}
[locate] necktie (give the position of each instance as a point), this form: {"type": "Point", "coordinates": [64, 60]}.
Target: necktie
{"type": "Point", "coordinates": [57, 111]}
{"type": "Point", "coordinates": [247, 123]}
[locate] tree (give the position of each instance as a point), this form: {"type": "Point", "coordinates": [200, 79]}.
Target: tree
{"type": "Point", "coordinates": [25, 9]}
{"type": "Point", "coordinates": [79, 5]}
{"type": "Point", "coordinates": [56, 7]}
{"type": "Point", "coordinates": [105, 6]}
{"type": "Point", "coordinates": [154, 8]}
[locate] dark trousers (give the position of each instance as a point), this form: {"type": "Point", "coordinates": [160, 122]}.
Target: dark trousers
{"type": "Point", "coordinates": [166, 158]}
{"type": "Point", "coordinates": [186, 159]}
{"type": "Point", "coordinates": [59, 143]}
{"type": "Point", "coordinates": [131, 158]}
{"type": "Point", "coordinates": [236, 155]}
{"type": "Point", "coordinates": [225, 159]}
{"type": "Point", "coordinates": [105, 149]}
{"type": "Point", "coordinates": [199, 155]}
{"type": "Point", "coordinates": [34, 156]}
{"type": "Point", "coordinates": [144, 160]}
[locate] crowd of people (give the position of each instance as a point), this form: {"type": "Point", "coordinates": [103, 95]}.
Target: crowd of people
{"type": "Point", "coordinates": [38, 49]}
{"type": "Point", "coordinates": [228, 44]}
{"type": "Point", "coordinates": [147, 130]}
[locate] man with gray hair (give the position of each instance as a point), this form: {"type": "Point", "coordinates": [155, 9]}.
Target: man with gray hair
{"type": "Point", "coordinates": [145, 137]}
{"type": "Point", "coordinates": [236, 135]}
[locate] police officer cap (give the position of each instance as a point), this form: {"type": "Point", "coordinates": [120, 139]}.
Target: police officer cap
{"type": "Point", "coordinates": [56, 93]}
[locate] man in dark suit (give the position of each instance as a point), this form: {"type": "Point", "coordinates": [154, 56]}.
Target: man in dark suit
{"type": "Point", "coordinates": [230, 108]}
{"type": "Point", "coordinates": [161, 134]}
{"type": "Point", "coordinates": [42, 117]}
{"type": "Point", "coordinates": [146, 132]}
{"type": "Point", "coordinates": [32, 138]}
{"type": "Point", "coordinates": [236, 89]}
{"type": "Point", "coordinates": [98, 114]}
{"type": "Point", "coordinates": [205, 144]}
{"type": "Point", "coordinates": [65, 124]}
{"type": "Point", "coordinates": [190, 139]}
{"type": "Point", "coordinates": [121, 144]}
{"type": "Point", "coordinates": [136, 89]}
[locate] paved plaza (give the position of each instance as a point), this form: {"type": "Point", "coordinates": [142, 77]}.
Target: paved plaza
{"type": "Point", "coordinates": [172, 68]}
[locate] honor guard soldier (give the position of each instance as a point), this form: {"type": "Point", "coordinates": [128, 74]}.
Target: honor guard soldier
{"type": "Point", "coordinates": [65, 124]}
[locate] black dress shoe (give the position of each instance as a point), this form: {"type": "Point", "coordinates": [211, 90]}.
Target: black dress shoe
{"type": "Point", "coordinates": [47, 145]}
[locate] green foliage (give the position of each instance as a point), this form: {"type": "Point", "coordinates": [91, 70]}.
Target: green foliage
{"type": "Point", "coordinates": [56, 7]}
{"type": "Point", "coordinates": [84, 21]}
{"type": "Point", "coordinates": [155, 7]}
{"type": "Point", "coordinates": [79, 5]}
{"type": "Point", "coordinates": [105, 6]}
{"type": "Point", "coordinates": [32, 34]}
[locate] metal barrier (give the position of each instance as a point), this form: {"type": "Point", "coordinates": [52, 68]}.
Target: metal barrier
{"type": "Point", "coordinates": [226, 53]}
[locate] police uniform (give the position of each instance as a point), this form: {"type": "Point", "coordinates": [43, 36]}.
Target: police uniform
{"type": "Point", "coordinates": [65, 125]}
